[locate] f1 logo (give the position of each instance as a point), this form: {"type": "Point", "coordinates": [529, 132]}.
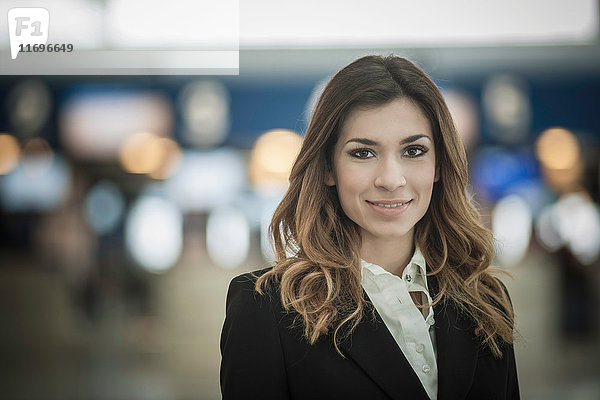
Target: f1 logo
{"type": "Point", "coordinates": [27, 26]}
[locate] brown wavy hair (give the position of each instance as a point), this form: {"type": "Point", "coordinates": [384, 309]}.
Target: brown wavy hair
{"type": "Point", "coordinates": [317, 247]}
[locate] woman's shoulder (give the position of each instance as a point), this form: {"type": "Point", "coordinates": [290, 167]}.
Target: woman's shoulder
{"type": "Point", "coordinates": [242, 290]}
{"type": "Point", "coordinates": [251, 277]}
{"type": "Point", "coordinates": [247, 281]}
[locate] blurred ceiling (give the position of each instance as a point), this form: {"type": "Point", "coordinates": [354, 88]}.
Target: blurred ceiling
{"type": "Point", "coordinates": [313, 38]}
{"type": "Point", "coordinates": [535, 62]}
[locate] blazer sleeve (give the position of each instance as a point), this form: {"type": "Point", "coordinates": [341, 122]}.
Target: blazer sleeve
{"type": "Point", "coordinates": [512, 387]}
{"type": "Point", "coordinates": [512, 384]}
{"type": "Point", "coordinates": [252, 363]}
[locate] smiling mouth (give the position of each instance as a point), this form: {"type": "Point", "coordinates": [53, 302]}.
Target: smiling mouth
{"type": "Point", "coordinates": [389, 205]}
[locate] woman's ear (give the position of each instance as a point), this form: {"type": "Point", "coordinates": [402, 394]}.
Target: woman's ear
{"type": "Point", "coordinates": [329, 179]}
{"type": "Point", "coordinates": [437, 174]}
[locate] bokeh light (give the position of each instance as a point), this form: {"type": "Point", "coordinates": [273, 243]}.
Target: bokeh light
{"type": "Point", "coordinates": [29, 106]}
{"type": "Point", "coordinates": [205, 108]}
{"type": "Point", "coordinates": [154, 233]}
{"type": "Point", "coordinates": [43, 190]}
{"type": "Point", "coordinates": [9, 153]}
{"type": "Point", "coordinates": [464, 112]}
{"type": "Point", "coordinates": [207, 179]}
{"type": "Point", "coordinates": [507, 106]}
{"type": "Point", "coordinates": [227, 237]}
{"type": "Point", "coordinates": [558, 152]}
{"type": "Point", "coordinates": [37, 157]}
{"type": "Point", "coordinates": [498, 172]}
{"type": "Point", "coordinates": [147, 153]}
{"type": "Point", "coordinates": [170, 159]}
{"type": "Point", "coordinates": [272, 158]}
{"type": "Point", "coordinates": [511, 225]}
{"type": "Point", "coordinates": [547, 229]}
{"type": "Point", "coordinates": [104, 207]}
{"type": "Point", "coordinates": [94, 123]}
{"type": "Point", "coordinates": [140, 153]}
{"type": "Point", "coordinates": [557, 148]}
{"type": "Point", "coordinates": [579, 225]}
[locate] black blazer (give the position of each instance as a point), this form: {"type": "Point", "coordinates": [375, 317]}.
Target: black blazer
{"type": "Point", "coordinates": [264, 357]}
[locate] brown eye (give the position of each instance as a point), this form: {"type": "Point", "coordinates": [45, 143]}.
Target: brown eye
{"type": "Point", "coordinates": [415, 151]}
{"type": "Point", "coordinates": [362, 153]}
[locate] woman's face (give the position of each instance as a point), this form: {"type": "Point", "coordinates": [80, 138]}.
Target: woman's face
{"type": "Point", "coordinates": [384, 169]}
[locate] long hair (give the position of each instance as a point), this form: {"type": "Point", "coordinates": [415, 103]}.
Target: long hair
{"type": "Point", "coordinates": [317, 247]}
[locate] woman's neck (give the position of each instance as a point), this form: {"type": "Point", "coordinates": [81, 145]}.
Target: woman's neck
{"type": "Point", "coordinates": [392, 255]}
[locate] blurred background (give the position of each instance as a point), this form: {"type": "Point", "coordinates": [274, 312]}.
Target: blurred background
{"type": "Point", "coordinates": [127, 203]}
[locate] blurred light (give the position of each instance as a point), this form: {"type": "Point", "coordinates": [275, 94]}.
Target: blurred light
{"type": "Point", "coordinates": [140, 153]}
{"type": "Point", "coordinates": [21, 190]}
{"type": "Point", "coordinates": [104, 207]}
{"type": "Point", "coordinates": [205, 109]}
{"type": "Point", "coordinates": [507, 106]}
{"type": "Point", "coordinates": [535, 193]}
{"type": "Point", "coordinates": [37, 157]}
{"type": "Point", "coordinates": [465, 115]}
{"type": "Point", "coordinates": [94, 123]}
{"type": "Point", "coordinates": [169, 160]}
{"type": "Point", "coordinates": [511, 224]}
{"type": "Point", "coordinates": [579, 225]}
{"type": "Point", "coordinates": [154, 233]}
{"type": "Point", "coordinates": [207, 179]}
{"type": "Point", "coordinates": [564, 180]}
{"type": "Point", "coordinates": [548, 229]}
{"type": "Point", "coordinates": [498, 172]}
{"type": "Point", "coordinates": [29, 104]}
{"type": "Point", "coordinates": [147, 153]}
{"type": "Point", "coordinates": [9, 153]}
{"type": "Point", "coordinates": [558, 152]}
{"type": "Point", "coordinates": [557, 148]}
{"type": "Point", "coordinates": [252, 204]}
{"type": "Point", "coordinates": [227, 237]}
{"type": "Point", "coordinates": [272, 158]}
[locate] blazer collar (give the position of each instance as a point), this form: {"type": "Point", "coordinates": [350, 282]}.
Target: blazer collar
{"type": "Point", "coordinates": [457, 348]}
{"type": "Point", "coordinates": [373, 348]}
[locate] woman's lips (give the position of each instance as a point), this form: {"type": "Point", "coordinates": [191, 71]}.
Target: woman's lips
{"type": "Point", "coordinates": [389, 208]}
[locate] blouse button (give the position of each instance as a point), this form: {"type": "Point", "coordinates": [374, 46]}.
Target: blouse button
{"type": "Point", "coordinates": [426, 368]}
{"type": "Point", "coordinates": [420, 348]}
{"type": "Point", "coordinates": [408, 278]}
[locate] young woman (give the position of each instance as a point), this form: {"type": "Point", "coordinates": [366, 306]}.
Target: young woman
{"type": "Point", "coordinates": [382, 286]}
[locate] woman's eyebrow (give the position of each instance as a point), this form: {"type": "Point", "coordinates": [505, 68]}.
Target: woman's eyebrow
{"type": "Point", "coordinates": [370, 142]}
{"type": "Point", "coordinates": [364, 141]}
{"type": "Point", "coordinates": [414, 138]}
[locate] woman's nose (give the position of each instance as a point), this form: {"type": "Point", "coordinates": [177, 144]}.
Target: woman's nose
{"type": "Point", "coordinates": [390, 175]}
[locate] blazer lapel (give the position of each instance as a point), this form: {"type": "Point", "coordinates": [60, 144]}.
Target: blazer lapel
{"type": "Point", "coordinates": [457, 348]}
{"type": "Point", "coordinates": [374, 349]}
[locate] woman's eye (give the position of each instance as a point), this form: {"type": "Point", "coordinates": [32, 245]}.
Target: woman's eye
{"type": "Point", "coordinates": [362, 153]}
{"type": "Point", "coordinates": [415, 151]}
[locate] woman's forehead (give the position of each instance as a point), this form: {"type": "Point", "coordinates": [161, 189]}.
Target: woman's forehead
{"type": "Point", "coordinates": [393, 121]}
